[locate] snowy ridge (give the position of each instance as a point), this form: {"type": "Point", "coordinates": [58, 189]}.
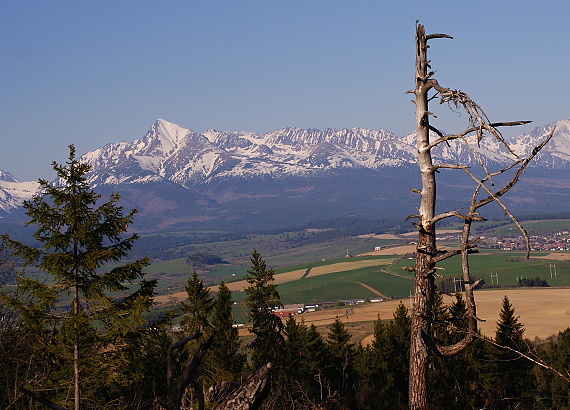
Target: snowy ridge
{"type": "Point", "coordinates": [13, 192]}
{"type": "Point", "coordinates": [169, 153]}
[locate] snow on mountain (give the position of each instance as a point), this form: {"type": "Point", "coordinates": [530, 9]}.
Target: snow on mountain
{"type": "Point", "coordinates": [169, 153]}
{"type": "Point", "coordinates": [13, 192]}
{"type": "Point", "coordinates": [6, 176]}
{"type": "Point", "coordinates": [556, 154]}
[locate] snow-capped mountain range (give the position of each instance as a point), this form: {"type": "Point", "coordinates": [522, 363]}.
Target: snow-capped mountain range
{"type": "Point", "coordinates": [176, 156]}
{"type": "Point", "coordinates": [169, 152]}
{"type": "Point", "coordinates": [14, 192]}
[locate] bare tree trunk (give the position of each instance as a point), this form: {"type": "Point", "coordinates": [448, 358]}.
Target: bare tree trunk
{"type": "Point", "coordinates": [40, 399]}
{"type": "Point", "coordinates": [426, 246]}
{"type": "Point", "coordinates": [190, 373]}
{"type": "Point", "coordinates": [427, 255]}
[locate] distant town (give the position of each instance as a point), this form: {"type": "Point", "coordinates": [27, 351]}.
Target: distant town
{"type": "Point", "coordinates": [558, 241]}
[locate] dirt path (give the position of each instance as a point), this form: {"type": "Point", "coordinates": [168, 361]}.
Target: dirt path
{"type": "Point", "coordinates": [371, 289]}
{"type": "Point", "coordinates": [397, 274]}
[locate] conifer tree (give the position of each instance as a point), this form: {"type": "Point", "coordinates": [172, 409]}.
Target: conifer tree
{"type": "Point", "coordinates": [306, 354]}
{"type": "Point", "coordinates": [391, 347]}
{"type": "Point", "coordinates": [342, 352]}
{"type": "Point", "coordinates": [196, 310]}
{"type": "Point", "coordinates": [513, 370]}
{"type": "Point", "coordinates": [262, 298]}
{"type": "Point", "coordinates": [77, 238]}
{"type": "Point", "coordinates": [197, 307]}
{"type": "Point", "coordinates": [226, 360]}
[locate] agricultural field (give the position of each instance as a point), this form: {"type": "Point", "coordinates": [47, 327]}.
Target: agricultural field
{"type": "Point", "coordinates": [532, 227]}
{"type": "Point", "coordinates": [371, 276]}
{"type": "Point", "coordinates": [505, 267]}
{"type": "Point", "coordinates": [542, 311]}
{"type": "Point", "coordinates": [320, 272]}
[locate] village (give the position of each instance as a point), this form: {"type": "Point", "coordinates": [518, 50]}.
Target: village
{"type": "Point", "coordinates": [559, 241]}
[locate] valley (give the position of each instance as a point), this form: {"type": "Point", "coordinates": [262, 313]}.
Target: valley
{"type": "Point", "coordinates": [320, 273]}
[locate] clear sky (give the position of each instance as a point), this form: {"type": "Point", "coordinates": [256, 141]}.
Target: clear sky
{"type": "Point", "coordinates": [94, 72]}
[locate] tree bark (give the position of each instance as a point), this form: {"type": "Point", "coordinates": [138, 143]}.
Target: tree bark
{"type": "Point", "coordinates": [251, 394]}
{"type": "Point", "coordinates": [40, 399]}
{"type": "Point", "coordinates": [422, 344]}
{"type": "Point", "coordinates": [190, 372]}
{"type": "Point", "coordinates": [76, 375]}
{"type": "Point", "coordinates": [426, 246]}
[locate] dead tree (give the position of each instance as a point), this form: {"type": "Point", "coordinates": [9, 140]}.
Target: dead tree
{"type": "Point", "coordinates": [427, 255]}
{"type": "Point", "coordinates": [251, 394]}
{"type": "Point", "coordinates": [177, 386]}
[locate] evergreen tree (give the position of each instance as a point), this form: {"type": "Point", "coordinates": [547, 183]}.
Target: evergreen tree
{"type": "Point", "coordinates": [305, 358]}
{"type": "Point", "coordinates": [225, 357]}
{"type": "Point", "coordinates": [448, 327]}
{"type": "Point", "coordinates": [552, 391]}
{"type": "Point", "coordinates": [341, 352]}
{"type": "Point", "coordinates": [261, 299]}
{"type": "Point", "coordinates": [513, 380]}
{"type": "Point", "coordinates": [196, 310]}
{"type": "Point", "coordinates": [77, 238]}
{"type": "Point", "coordinates": [24, 333]}
{"type": "Point", "coordinates": [197, 307]}
{"type": "Point", "coordinates": [391, 348]}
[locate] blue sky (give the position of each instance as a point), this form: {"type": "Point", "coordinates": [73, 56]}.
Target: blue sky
{"type": "Point", "coordinates": [95, 72]}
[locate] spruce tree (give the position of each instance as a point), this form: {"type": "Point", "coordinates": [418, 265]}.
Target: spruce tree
{"type": "Point", "coordinates": [77, 237]}
{"type": "Point", "coordinates": [390, 349]}
{"type": "Point", "coordinates": [261, 299]}
{"type": "Point", "coordinates": [196, 310]}
{"type": "Point", "coordinates": [197, 307]}
{"type": "Point", "coordinates": [513, 371]}
{"type": "Point", "coordinates": [341, 352]}
{"type": "Point", "coordinates": [306, 355]}
{"type": "Point", "coordinates": [226, 359]}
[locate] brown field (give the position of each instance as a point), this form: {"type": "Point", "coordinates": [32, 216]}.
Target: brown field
{"type": "Point", "coordinates": [543, 311]}
{"type": "Point", "coordinates": [396, 250]}
{"type": "Point", "coordinates": [344, 266]}
{"type": "Point", "coordinates": [234, 286]}
{"type": "Point", "coordinates": [239, 286]}
{"type": "Point", "coordinates": [556, 256]}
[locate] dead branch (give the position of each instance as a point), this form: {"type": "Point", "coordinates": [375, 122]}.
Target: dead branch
{"type": "Point", "coordinates": [479, 126]}
{"type": "Point", "coordinates": [251, 394]}
{"type": "Point", "coordinates": [536, 361]}
{"type": "Point", "coordinates": [41, 399]}
{"type": "Point", "coordinates": [190, 372]}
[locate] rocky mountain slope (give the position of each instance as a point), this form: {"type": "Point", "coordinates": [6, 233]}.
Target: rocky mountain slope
{"type": "Point", "coordinates": [175, 175]}
{"type": "Point", "coordinates": [182, 156]}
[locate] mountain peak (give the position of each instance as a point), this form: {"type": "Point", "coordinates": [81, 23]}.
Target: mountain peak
{"type": "Point", "coordinates": [6, 176]}
{"type": "Point", "coordinates": [169, 134]}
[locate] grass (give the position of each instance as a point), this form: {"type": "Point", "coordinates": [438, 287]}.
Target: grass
{"type": "Point", "coordinates": [508, 265]}
{"type": "Point", "coordinates": [532, 227]}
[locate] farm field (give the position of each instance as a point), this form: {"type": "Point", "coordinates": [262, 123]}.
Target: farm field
{"type": "Point", "coordinates": [378, 275]}
{"type": "Point", "coordinates": [542, 311]}
{"type": "Point", "coordinates": [302, 282]}
{"type": "Point", "coordinates": [506, 267]}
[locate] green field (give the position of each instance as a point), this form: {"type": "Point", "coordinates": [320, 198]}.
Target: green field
{"type": "Point", "coordinates": [508, 265]}
{"type": "Point", "coordinates": [505, 266]}
{"type": "Point", "coordinates": [344, 285]}
{"type": "Point", "coordinates": [532, 227]}
{"type": "Point", "coordinates": [288, 252]}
